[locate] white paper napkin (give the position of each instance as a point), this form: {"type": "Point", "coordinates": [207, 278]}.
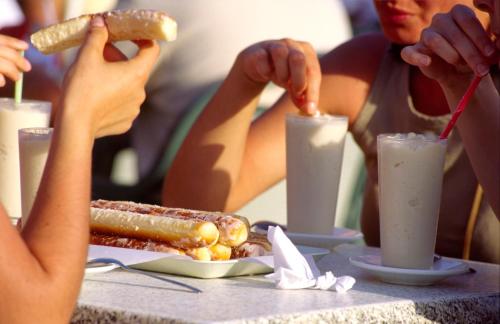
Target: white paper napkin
{"type": "Point", "coordinates": [293, 271]}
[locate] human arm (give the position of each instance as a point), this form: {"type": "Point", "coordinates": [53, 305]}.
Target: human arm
{"type": "Point", "coordinates": [41, 268]}
{"type": "Point", "coordinates": [42, 12]}
{"type": "Point", "coordinates": [212, 168]}
{"type": "Point", "coordinates": [226, 160]}
{"type": "Point", "coordinates": [452, 50]}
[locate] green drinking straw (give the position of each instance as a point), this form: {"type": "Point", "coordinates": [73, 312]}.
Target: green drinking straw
{"type": "Point", "coordinates": [18, 88]}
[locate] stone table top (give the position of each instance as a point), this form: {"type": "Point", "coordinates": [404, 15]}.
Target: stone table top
{"type": "Point", "coordinates": [119, 296]}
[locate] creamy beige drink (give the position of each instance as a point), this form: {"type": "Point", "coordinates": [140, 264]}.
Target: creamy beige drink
{"type": "Point", "coordinates": [34, 144]}
{"type": "Point", "coordinates": [314, 151]}
{"type": "Point", "coordinates": [410, 172]}
{"type": "Point", "coordinates": [12, 118]}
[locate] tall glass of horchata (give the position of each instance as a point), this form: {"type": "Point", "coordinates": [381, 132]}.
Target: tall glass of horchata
{"type": "Point", "coordinates": [410, 172]}
{"type": "Point", "coordinates": [34, 144]}
{"type": "Point", "coordinates": [314, 152]}
{"type": "Point", "coordinates": [14, 116]}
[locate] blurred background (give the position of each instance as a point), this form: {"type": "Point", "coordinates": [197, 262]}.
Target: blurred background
{"type": "Point", "coordinates": [211, 34]}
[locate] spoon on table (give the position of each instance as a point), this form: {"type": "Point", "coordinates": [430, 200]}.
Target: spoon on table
{"type": "Point", "coordinates": [145, 273]}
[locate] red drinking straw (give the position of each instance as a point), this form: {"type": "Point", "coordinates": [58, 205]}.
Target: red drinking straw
{"type": "Point", "coordinates": [461, 106]}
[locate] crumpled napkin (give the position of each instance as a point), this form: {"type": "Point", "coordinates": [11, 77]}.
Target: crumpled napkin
{"type": "Point", "coordinates": [293, 271]}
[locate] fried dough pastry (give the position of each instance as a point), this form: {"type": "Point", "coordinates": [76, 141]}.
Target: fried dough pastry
{"type": "Point", "coordinates": [232, 230]}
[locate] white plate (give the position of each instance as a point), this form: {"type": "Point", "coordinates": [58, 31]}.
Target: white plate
{"type": "Point", "coordinates": [99, 267]}
{"type": "Point", "coordinates": [441, 269]}
{"type": "Point", "coordinates": [219, 269]}
{"type": "Point", "coordinates": [339, 236]}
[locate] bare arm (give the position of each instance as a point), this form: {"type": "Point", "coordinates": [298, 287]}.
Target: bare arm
{"type": "Point", "coordinates": [43, 12]}
{"type": "Point", "coordinates": [452, 50]}
{"type": "Point", "coordinates": [41, 268]}
{"type": "Point", "coordinates": [212, 169]}
{"type": "Point", "coordinates": [479, 127]}
{"type": "Point", "coordinates": [226, 160]}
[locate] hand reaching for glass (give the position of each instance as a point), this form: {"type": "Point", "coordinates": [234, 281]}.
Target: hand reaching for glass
{"type": "Point", "coordinates": [290, 64]}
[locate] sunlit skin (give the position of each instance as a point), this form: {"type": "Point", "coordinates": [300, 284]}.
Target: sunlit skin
{"type": "Point", "coordinates": [41, 267]}
{"type": "Point", "coordinates": [343, 81]}
{"type": "Point", "coordinates": [244, 158]}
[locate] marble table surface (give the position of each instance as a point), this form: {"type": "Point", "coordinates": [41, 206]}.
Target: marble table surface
{"type": "Point", "coordinates": [119, 296]}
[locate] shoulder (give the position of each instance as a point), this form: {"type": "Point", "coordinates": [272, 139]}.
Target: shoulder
{"type": "Point", "coordinates": [348, 73]}
{"type": "Point", "coordinates": [361, 54]}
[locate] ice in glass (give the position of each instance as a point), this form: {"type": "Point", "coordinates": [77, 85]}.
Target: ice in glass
{"type": "Point", "coordinates": [410, 171]}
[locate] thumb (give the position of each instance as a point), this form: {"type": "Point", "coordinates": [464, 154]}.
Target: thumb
{"type": "Point", "coordinates": [96, 38]}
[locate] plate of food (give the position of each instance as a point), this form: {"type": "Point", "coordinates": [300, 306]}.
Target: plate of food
{"type": "Point", "coordinates": [180, 241]}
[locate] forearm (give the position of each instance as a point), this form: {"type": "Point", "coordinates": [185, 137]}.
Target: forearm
{"type": "Point", "coordinates": [479, 128]}
{"type": "Point", "coordinates": [208, 163]}
{"type": "Point", "coordinates": [42, 12]}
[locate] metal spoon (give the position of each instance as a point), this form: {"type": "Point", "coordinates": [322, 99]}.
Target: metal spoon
{"type": "Point", "coordinates": [145, 273]}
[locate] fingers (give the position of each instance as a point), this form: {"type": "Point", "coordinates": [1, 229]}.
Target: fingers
{"type": "Point", "coordinates": [415, 55]}
{"type": "Point", "coordinates": [295, 66]}
{"type": "Point", "coordinates": [440, 46]}
{"type": "Point", "coordinates": [12, 55]}
{"type": "Point", "coordinates": [14, 43]}
{"type": "Point", "coordinates": [258, 64]}
{"type": "Point", "coordinates": [457, 37]}
{"type": "Point", "coordinates": [9, 69]}
{"type": "Point", "coordinates": [290, 64]}
{"type": "Point", "coordinates": [96, 38]}
{"type": "Point", "coordinates": [11, 62]}
{"type": "Point", "coordinates": [146, 57]}
{"type": "Point", "coordinates": [313, 77]}
{"type": "Point", "coordinates": [279, 56]}
{"type": "Point", "coordinates": [468, 22]}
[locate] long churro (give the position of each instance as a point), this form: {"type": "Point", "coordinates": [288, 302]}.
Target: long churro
{"type": "Point", "coordinates": [179, 232]}
{"type": "Point", "coordinates": [122, 25]}
{"type": "Point", "coordinates": [255, 245]}
{"type": "Point", "coordinates": [233, 230]}
{"type": "Point", "coordinates": [203, 253]}
{"type": "Point", "coordinates": [132, 243]}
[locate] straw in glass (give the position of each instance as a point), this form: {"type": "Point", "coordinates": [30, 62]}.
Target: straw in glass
{"type": "Point", "coordinates": [461, 107]}
{"type": "Point", "coordinates": [18, 88]}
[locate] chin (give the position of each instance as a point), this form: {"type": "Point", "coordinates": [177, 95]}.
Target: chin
{"type": "Point", "coordinates": [401, 37]}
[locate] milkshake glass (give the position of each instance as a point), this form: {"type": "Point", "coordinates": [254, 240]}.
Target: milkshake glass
{"type": "Point", "coordinates": [410, 173]}
{"type": "Point", "coordinates": [34, 144]}
{"type": "Point", "coordinates": [314, 152]}
{"type": "Point", "coordinates": [14, 116]}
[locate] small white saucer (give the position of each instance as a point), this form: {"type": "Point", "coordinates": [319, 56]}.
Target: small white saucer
{"type": "Point", "coordinates": [441, 269]}
{"type": "Point", "coordinates": [339, 236]}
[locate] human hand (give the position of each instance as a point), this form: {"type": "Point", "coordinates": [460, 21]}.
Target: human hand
{"type": "Point", "coordinates": [103, 88]}
{"type": "Point", "coordinates": [11, 61]}
{"type": "Point", "coordinates": [290, 64]}
{"type": "Point", "coordinates": [453, 48]}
